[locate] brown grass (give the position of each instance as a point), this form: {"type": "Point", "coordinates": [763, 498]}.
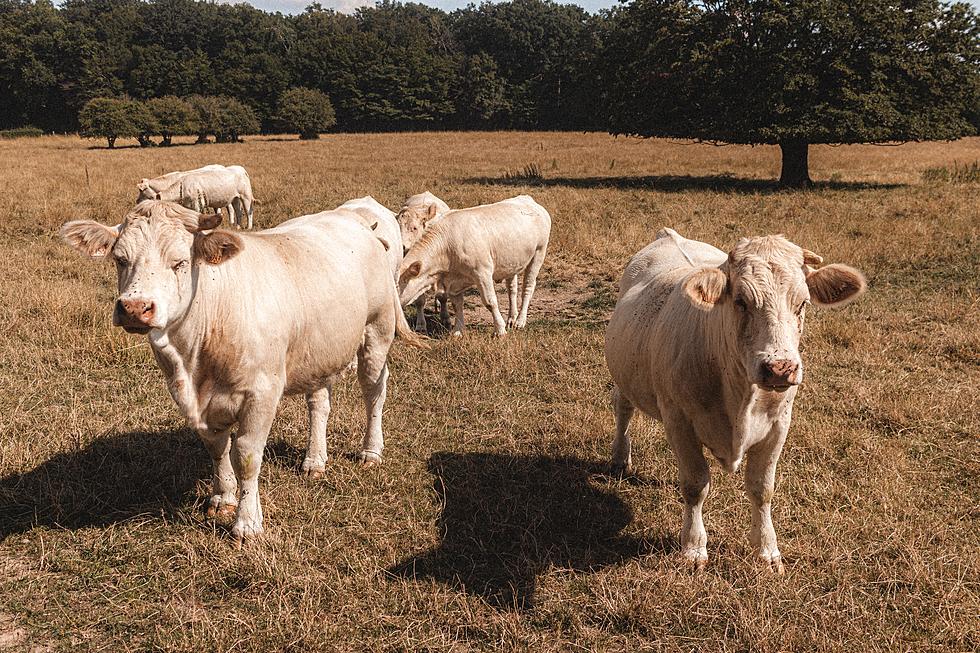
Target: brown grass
{"type": "Point", "coordinates": [491, 524]}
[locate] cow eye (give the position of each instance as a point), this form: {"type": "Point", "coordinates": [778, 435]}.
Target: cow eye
{"type": "Point", "coordinates": [121, 262]}
{"type": "Point", "coordinates": [179, 265]}
{"type": "Point", "coordinates": [799, 310]}
{"type": "Point", "coordinates": [740, 304]}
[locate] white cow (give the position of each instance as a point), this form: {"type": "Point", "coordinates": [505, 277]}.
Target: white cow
{"type": "Point", "coordinates": [477, 247]}
{"type": "Point", "coordinates": [382, 221]}
{"type": "Point", "coordinates": [417, 214]}
{"type": "Point", "coordinates": [216, 187]}
{"type": "Point", "coordinates": [147, 189]}
{"type": "Point", "coordinates": [319, 296]}
{"type": "Point", "coordinates": [708, 343]}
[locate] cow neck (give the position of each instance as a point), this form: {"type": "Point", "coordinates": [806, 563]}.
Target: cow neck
{"type": "Point", "coordinates": [178, 347]}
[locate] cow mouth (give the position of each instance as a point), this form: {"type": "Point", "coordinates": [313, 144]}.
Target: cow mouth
{"type": "Point", "coordinates": [142, 330]}
{"type": "Point", "coordinates": [777, 387]}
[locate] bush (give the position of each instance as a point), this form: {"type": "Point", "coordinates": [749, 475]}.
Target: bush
{"type": "Point", "coordinates": [226, 118]}
{"type": "Point", "coordinates": [306, 111]}
{"type": "Point", "coordinates": [173, 116]}
{"type": "Point", "coordinates": [28, 131]}
{"type": "Point", "coordinates": [108, 118]}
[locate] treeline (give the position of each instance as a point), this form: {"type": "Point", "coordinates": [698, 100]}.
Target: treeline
{"type": "Point", "coordinates": [518, 64]}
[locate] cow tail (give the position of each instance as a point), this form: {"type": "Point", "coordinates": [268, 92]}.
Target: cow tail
{"type": "Point", "coordinates": [404, 330]}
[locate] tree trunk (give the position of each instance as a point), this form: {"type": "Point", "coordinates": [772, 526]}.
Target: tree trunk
{"type": "Point", "coordinates": [796, 166]}
{"type": "Point", "coordinates": [202, 138]}
{"type": "Point", "coordinates": [167, 140]}
{"type": "Point", "coordinates": [112, 141]}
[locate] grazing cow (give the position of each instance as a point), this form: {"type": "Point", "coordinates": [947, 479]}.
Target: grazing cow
{"type": "Point", "coordinates": [147, 189]}
{"type": "Point", "coordinates": [382, 221]}
{"type": "Point", "coordinates": [417, 214]}
{"type": "Point", "coordinates": [319, 296]}
{"type": "Point", "coordinates": [708, 344]}
{"type": "Point", "coordinates": [477, 247]}
{"type": "Point", "coordinates": [216, 188]}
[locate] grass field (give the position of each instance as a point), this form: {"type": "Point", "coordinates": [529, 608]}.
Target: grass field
{"type": "Point", "coordinates": [491, 525]}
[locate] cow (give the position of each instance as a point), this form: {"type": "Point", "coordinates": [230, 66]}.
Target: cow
{"type": "Point", "coordinates": [382, 221]}
{"type": "Point", "coordinates": [417, 214]}
{"type": "Point", "coordinates": [477, 247]}
{"type": "Point", "coordinates": [320, 297]}
{"type": "Point", "coordinates": [708, 344]}
{"type": "Point", "coordinates": [216, 188]}
{"type": "Point", "coordinates": [147, 189]}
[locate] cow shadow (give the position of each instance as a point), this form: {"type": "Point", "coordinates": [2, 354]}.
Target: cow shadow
{"type": "Point", "coordinates": [110, 480]}
{"type": "Point", "coordinates": [506, 519]}
{"type": "Point", "coordinates": [676, 183]}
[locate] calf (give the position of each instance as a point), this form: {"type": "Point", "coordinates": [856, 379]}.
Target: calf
{"type": "Point", "coordinates": [418, 213]}
{"type": "Point", "coordinates": [320, 295]}
{"type": "Point", "coordinates": [708, 344]}
{"type": "Point", "coordinates": [216, 187]}
{"type": "Point", "coordinates": [477, 247]}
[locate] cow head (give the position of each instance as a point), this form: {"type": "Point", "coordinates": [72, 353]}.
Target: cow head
{"type": "Point", "coordinates": [412, 220]}
{"type": "Point", "coordinates": [157, 250]}
{"type": "Point", "coordinates": [144, 190]}
{"type": "Point", "coordinates": [764, 289]}
{"type": "Point", "coordinates": [415, 277]}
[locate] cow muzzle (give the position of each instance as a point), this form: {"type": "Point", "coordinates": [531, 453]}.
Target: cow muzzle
{"type": "Point", "coordinates": [779, 374]}
{"type": "Point", "coordinates": [134, 315]}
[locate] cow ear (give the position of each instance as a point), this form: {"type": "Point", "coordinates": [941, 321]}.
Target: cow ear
{"type": "Point", "coordinates": [411, 271]}
{"type": "Point", "coordinates": [430, 214]}
{"type": "Point", "coordinates": [217, 247]}
{"type": "Point", "coordinates": [91, 238]}
{"type": "Point", "coordinates": [207, 221]}
{"type": "Point", "coordinates": [812, 259]}
{"type": "Point", "coordinates": [835, 285]}
{"type": "Point", "coordinates": [706, 286]}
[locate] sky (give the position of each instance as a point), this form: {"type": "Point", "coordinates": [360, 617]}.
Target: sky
{"type": "Point", "coordinates": [348, 6]}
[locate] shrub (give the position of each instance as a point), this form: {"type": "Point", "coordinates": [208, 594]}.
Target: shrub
{"type": "Point", "coordinates": [306, 111]}
{"type": "Point", "coordinates": [28, 131]}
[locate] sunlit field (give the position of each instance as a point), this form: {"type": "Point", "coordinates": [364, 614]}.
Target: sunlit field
{"type": "Point", "coordinates": [492, 524]}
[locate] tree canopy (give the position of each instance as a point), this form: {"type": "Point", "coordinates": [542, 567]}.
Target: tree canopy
{"type": "Point", "coordinates": [794, 73]}
{"type": "Point", "coordinates": [306, 111]}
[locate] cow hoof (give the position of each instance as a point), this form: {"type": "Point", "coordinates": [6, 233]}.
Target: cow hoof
{"type": "Point", "coordinates": [697, 559]}
{"type": "Point", "coordinates": [368, 459]}
{"type": "Point", "coordinates": [457, 334]}
{"type": "Point", "coordinates": [312, 468]}
{"type": "Point", "coordinates": [774, 564]}
{"type": "Point", "coordinates": [511, 323]}
{"type": "Point", "coordinates": [221, 510]}
{"type": "Point", "coordinates": [620, 470]}
{"type": "Point", "coordinates": [244, 531]}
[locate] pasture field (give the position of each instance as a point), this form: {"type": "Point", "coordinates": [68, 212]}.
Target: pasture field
{"type": "Point", "coordinates": [492, 524]}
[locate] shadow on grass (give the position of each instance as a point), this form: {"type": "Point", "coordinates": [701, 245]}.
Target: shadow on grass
{"type": "Point", "coordinates": [675, 183]}
{"type": "Point", "coordinates": [506, 519]}
{"type": "Point", "coordinates": [108, 481]}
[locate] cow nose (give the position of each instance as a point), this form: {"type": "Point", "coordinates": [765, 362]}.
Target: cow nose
{"type": "Point", "coordinates": [780, 372]}
{"type": "Point", "coordinates": [138, 310]}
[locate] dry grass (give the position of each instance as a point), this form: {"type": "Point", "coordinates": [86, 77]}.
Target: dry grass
{"type": "Point", "coordinates": [491, 524]}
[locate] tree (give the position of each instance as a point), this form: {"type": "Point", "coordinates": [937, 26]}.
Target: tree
{"type": "Point", "coordinates": [174, 117]}
{"type": "Point", "coordinates": [233, 120]}
{"type": "Point", "coordinates": [482, 92]}
{"type": "Point", "coordinates": [143, 120]}
{"type": "Point", "coordinates": [108, 118]}
{"type": "Point", "coordinates": [794, 73]}
{"type": "Point", "coordinates": [306, 111]}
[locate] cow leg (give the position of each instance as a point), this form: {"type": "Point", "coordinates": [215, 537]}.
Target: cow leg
{"type": "Point", "coordinates": [232, 211]}
{"type": "Point", "coordinates": [512, 301]}
{"type": "Point", "coordinates": [622, 458]}
{"type": "Point", "coordinates": [489, 296]}
{"type": "Point", "coordinates": [695, 481]}
{"type": "Point", "coordinates": [246, 457]}
{"type": "Point", "coordinates": [458, 310]}
{"type": "Point", "coordinates": [318, 406]}
{"type": "Point", "coordinates": [372, 374]}
{"type": "Point", "coordinates": [224, 486]}
{"type": "Point", "coordinates": [760, 483]}
{"type": "Point", "coordinates": [530, 282]}
{"type": "Point", "coordinates": [246, 203]}
{"type": "Point", "coordinates": [443, 303]}
{"type": "Point", "coordinates": [420, 324]}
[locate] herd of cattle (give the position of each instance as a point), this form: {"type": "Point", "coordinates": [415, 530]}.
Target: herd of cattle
{"type": "Point", "coordinates": [705, 341]}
